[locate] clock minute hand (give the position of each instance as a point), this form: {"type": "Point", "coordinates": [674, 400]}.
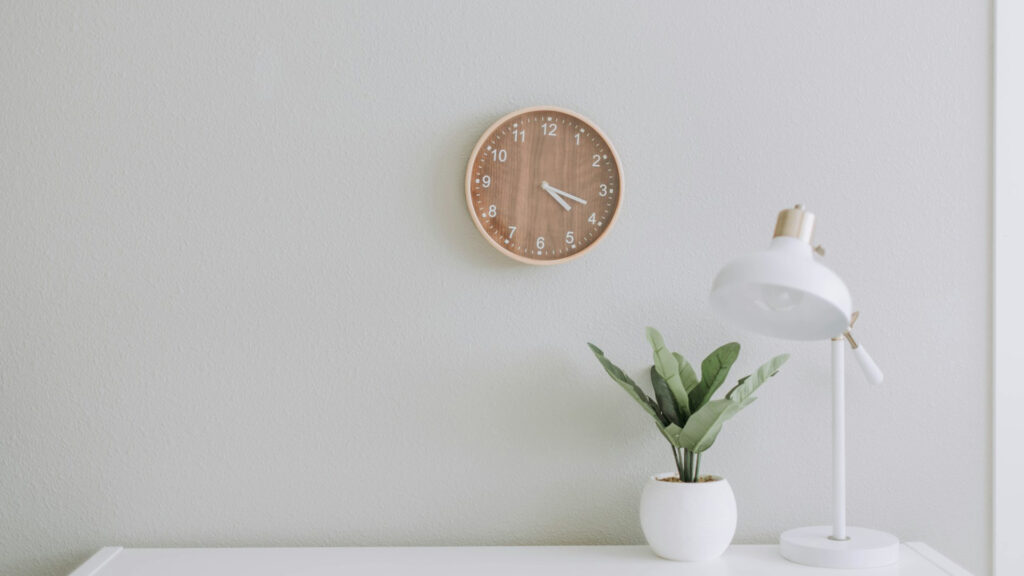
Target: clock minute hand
{"type": "Point", "coordinates": [566, 194]}
{"type": "Point", "coordinates": [553, 193]}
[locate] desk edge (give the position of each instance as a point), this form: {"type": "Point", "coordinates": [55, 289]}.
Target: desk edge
{"type": "Point", "coordinates": [97, 561]}
{"type": "Point", "coordinates": [105, 555]}
{"type": "Point", "coordinates": [940, 561]}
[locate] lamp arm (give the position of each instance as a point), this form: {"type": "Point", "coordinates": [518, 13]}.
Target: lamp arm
{"type": "Point", "coordinates": [871, 370]}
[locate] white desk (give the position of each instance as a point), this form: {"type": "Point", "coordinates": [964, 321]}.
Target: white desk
{"type": "Point", "coordinates": [916, 560]}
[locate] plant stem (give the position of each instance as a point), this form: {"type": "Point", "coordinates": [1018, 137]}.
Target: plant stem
{"type": "Point", "coordinates": [690, 470]}
{"type": "Point", "coordinates": [679, 462]}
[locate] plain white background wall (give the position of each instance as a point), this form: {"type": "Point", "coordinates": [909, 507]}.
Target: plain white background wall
{"type": "Point", "coordinates": [1008, 284]}
{"type": "Point", "coordinates": [242, 303]}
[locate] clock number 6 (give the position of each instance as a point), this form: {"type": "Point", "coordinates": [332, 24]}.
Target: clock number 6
{"type": "Point", "coordinates": [540, 242]}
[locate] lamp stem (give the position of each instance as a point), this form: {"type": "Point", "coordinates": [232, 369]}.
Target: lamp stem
{"type": "Point", "coordinates": [838, 440]}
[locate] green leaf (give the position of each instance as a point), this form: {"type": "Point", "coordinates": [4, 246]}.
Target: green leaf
{"type": "Point", "coordinates": [686, 373]}
{"type": "Point", "coordinates": [749, 384]}
{"type": "Point", "coordinates": [703, 427]}
{"type": "Point", "coordinates": [714, 370]}
{"type": "Point", "coordinates": [668, 367]}
{"type": "Point", "coordinates": [630, 387]}
{"type": "Point", "coordinates": [676, 414]}
{"type": "Point", "coordinates": [662, 430]}
{"type": "Point", "coordinates": [673, 433]}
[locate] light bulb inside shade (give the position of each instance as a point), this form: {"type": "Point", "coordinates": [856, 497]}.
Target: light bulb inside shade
{"type": "Point", "coordinates": [779, 299]}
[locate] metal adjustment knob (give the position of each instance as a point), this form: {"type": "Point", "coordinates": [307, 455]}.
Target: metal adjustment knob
{"type": "Point", "coordinates": [795, 223]}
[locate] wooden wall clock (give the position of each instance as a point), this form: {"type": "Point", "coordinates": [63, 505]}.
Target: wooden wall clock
{"type": "Point", "coordinates": [543, 185]}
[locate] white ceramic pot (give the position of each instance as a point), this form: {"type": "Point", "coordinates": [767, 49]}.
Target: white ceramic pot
{"type": "Point", "coordinates": [690, 522]}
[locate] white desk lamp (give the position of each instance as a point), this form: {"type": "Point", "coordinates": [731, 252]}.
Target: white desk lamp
{"type": "Point", "coordinates": [786, 293]}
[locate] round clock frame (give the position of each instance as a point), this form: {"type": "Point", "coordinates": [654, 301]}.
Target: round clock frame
{"type": "Point", "coordinates": [532, 186]}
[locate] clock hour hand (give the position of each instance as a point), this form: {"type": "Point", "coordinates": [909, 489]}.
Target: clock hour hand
{"type": "Point", "coordinates": [552, 190]}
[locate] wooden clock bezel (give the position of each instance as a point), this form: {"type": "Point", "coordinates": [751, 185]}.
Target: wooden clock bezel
{"type": "Point", "coordinates": [486, 138]}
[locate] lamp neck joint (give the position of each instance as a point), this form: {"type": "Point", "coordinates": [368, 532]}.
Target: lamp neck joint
{"type": "Point", "coordinates": [795, 223]}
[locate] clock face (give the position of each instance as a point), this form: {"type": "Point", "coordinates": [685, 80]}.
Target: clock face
{"type": "Point", "coordinates": [543, 185]}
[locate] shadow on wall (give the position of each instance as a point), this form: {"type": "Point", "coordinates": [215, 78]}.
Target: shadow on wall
{"type": "Point", "coordinates": [557, 416]}
{"type": "Point", "coordinates": [448, 191]}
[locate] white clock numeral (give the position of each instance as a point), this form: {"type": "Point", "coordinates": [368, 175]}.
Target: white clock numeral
{"type": "Point", "coordinates": [540, 242]}
{"type": "Point", "coordinates": [604, 190]}
{"type": "Point", "coordinates": [486, 181]}
{"type": "Point", "coordinates": [500, 155]}
{"type": "Point", "coordinates": [492, 211]}
{"type": "Point", "coordinates": [549, 129]}
{"type": "Point", "coordinates": [577, 135]}
{"type": "Point", "coordinates": [519, 135]}
{"type": "Point", "coordinates": [593, 218]}
{"type": "Point", "coordinates": [512, 232]}
{"type": "Point", "coordinates": [569, 238]}
{"type": "Point", "coordinates": [597, 161]}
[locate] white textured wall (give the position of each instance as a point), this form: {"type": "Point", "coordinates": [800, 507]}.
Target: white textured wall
{"type": "Point", "coordinates": [241, 301]}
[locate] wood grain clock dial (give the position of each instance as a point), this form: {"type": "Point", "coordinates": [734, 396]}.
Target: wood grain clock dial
{"type": "Point", "coordinates": [543, 185]}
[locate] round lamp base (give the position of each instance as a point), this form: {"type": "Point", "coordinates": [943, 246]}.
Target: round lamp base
{"type": "Point", "coordinates": [863, 548]}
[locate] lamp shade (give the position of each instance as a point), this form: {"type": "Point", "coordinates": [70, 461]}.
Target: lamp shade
{"type": "Point", "coordinates": [783, 292]}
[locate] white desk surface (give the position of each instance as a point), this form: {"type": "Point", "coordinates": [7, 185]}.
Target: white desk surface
{"type": "Point", "coordinates": [916, 559]}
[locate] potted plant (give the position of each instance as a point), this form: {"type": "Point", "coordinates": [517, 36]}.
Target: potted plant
{"type": "Point", "coordinates": [684, 515]}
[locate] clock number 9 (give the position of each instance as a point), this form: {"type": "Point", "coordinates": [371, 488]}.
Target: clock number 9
{"type": "Point", "coordinates": [486, 181]}
{"type": "Point", "coordinates": [540, 242]}
{"type": "Point", "coordinates": [499, 155]}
